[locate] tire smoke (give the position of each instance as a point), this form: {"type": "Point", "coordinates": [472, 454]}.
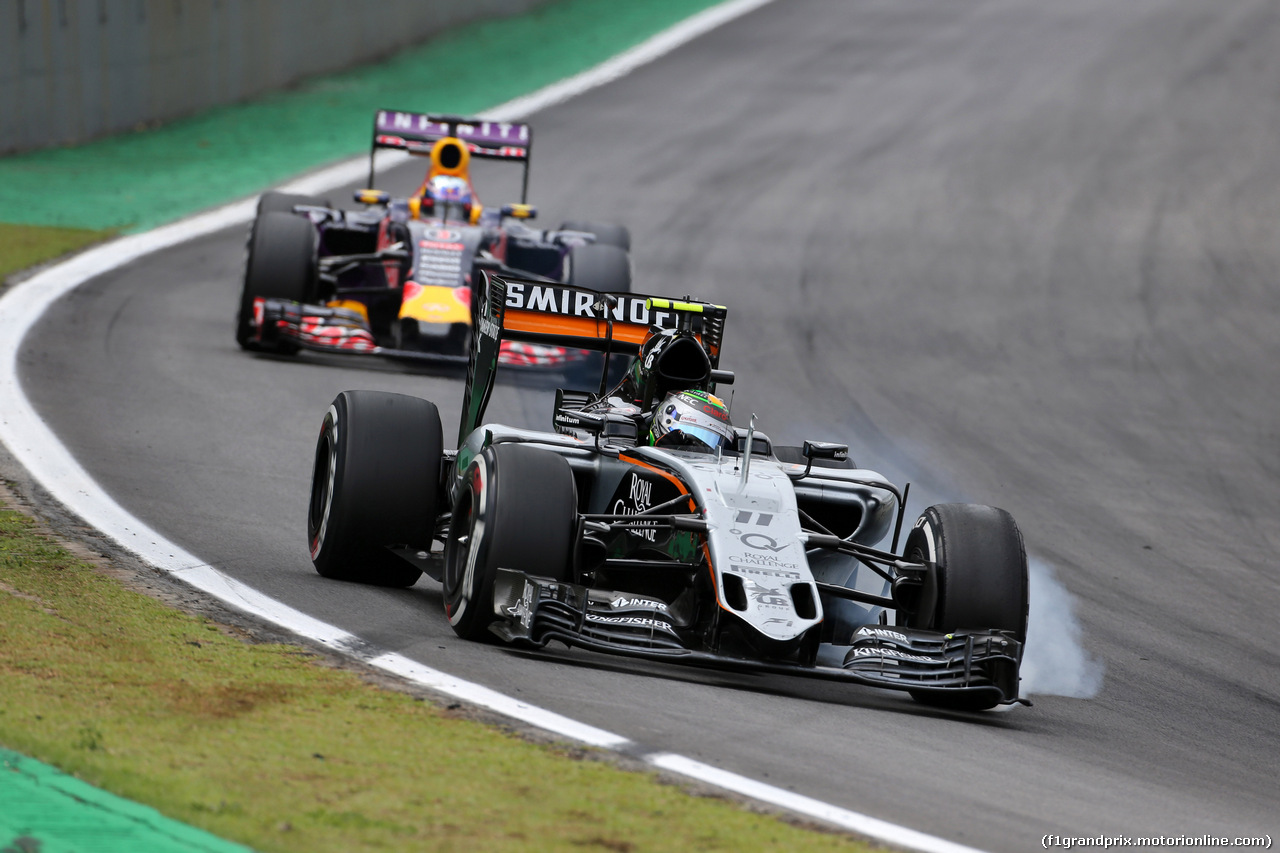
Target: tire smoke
{"type": "Point", "coordinates": [1055, 662]}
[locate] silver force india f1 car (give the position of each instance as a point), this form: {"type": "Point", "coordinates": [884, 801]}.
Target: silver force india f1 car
{"type": "Point", "coordinates": [647, 525]}
{"type": "Point", "coordinates": [395, 279]}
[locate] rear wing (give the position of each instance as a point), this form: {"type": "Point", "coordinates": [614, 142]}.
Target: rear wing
{"type": "Point", "coordinates": [514, 309]}
{"type": "Point", "coordinates": [418, 132]}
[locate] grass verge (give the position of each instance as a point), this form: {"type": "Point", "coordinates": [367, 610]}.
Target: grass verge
{"type": "Point", "coordinates": [23, 246]}
{"type": "Point", "coordinates": [260, 744]}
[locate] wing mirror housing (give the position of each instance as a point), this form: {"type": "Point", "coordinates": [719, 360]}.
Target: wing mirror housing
{"type": "Point", "coordinates": [520, 211]}
{"type": "Point", "coordinates": [569, 420]}
{"type": "Point", "coordinates": [603, 425]}
{"type": "Point", "coordinates": [372, 197]}
{"type": "Point", "coordinates": [825, 450]}
{"type": "Point", "coordinates": [820, 450]}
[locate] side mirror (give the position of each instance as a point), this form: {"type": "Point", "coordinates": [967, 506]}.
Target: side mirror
{"type": "Point", "coordinates": [825, 450]}
{"type": "Point", "coordinates": [604, 425]}
{"type": "Point", "coordinates": [564, 419]}
{"type": "Point", "coordinates": [820, 450]}
{"type": "Point", "coordinates": [520, 211]}
{"type": "Point", "coordinates": [372, 196]}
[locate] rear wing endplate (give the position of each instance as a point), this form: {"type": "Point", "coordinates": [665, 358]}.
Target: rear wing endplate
{"type": "Point", "coordinates": [514, 309]}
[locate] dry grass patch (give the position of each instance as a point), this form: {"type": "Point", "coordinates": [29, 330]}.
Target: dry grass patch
{"type": "Point", "coordinates": [22, 246]}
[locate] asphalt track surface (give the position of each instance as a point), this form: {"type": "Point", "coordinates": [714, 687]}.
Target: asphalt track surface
{"type": "Point", "coordinates": [1018, 253]}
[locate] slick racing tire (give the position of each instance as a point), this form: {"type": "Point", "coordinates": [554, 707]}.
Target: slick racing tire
{"type": "Point", "coordinates": [606, 234]}
{"type": "Point", "coordinates": [516, 509]}
{"type": "Point", "coordinates": [277, 202]}
{"type": "Point", "coordinates": [375, 484]}
{"type": "Point", "coordinates": [584, 375]}
{"type": "Point", "coordinates": [606, 269]}
{"type": "Point", "coordinates": [981, 580]}
{"type": "Point", "coordinates": [281, 265]}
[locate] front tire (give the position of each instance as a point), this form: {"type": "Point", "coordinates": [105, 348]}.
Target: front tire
{"type": "Point", "coordinates": [282, 264]}
{"type": "Point", "coordinates": [606, 269]}
{"type": "Point", "coordinates": [278, 202]}
{"type": "Point", "coordinates": [606, 234]}
{"type": "Point", "coordinates": [980, 582]}
{"type": "Point", "coordinates": [375, 484]}
{"type": "Point", "coordinates": [516, 509]}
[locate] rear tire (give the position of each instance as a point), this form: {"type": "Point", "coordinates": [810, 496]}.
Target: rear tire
{"type": "Point", "coordinates": [606, 269]}
{"type": "Point", "coordinates": [278, 202]}
{"type": "Point", "coordinates": [282, 265]}
{"type": "Point", "coordinates": [375, 484]}
{"type": "Point", "coordinates": [607, 234]}
{"type": "Point", "coordinates": [981, 580]}
{"type": "Point", "coordinates": [515, 510]}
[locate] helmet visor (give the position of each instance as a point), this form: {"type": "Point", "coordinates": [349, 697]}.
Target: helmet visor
{"type": "Point", "coordinates": [692, 435]}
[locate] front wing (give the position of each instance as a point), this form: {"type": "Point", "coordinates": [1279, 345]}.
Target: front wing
{"type": "Point", "coordinates": [538, 610]}
{"type": "Point", "coordinates": [342, 330]}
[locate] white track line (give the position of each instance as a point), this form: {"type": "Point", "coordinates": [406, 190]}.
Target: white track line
{"type": "Point", "coordinates": [50, 463]}
{"type": "Point", "coordinates": [790, 800]}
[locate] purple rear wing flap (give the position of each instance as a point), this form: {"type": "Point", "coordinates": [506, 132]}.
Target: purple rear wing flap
{"type": "Point", "coordinates": [417, 132]}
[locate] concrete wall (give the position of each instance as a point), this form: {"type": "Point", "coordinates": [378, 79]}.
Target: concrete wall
{"type": "Point", "coordinates": [72, 70]}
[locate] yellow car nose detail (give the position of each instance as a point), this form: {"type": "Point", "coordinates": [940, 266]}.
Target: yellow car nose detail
{"type": "Point", "coordinates": [431, 304]}
{"type": "Point", "coordinates": [351, 305]}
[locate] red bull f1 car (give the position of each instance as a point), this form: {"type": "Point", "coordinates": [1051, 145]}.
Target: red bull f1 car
{"type": "Point", "coordinates": [645, 523]}
{"type": "Point", "coordinates": [395, 279]}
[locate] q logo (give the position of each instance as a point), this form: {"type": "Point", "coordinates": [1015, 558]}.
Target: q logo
{"type": "Point", "coordinates": [761, 542]}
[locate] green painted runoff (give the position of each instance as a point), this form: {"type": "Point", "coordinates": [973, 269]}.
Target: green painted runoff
{"type": "Point", "coordinates": [135, 181]}
{"type": "Point", "coordinates": [57, 813]}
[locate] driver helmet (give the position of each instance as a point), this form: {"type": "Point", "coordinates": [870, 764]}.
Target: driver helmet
{"type": "Point", "coordinates": [450, 196]}
{"type": "Point", "coordinates": [692, 419]}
